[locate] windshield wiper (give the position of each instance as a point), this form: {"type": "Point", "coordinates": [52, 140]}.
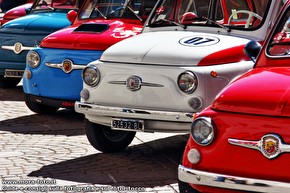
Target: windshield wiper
{"type": "Point", "coordinates": [161, 21]}
{"type": "Point", "coordinates": [228, 29]}
{"type": "Point", "coordinates": [130, 9]}
{"type": "Point", "coordinates": [97, 9]}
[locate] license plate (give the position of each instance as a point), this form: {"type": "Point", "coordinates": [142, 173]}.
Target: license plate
{"type": "Point", "coordinates": [127, 124]}
{"type": "Point", "coordinates": [14, 73]}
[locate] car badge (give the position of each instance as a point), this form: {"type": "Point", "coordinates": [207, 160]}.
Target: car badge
{"type": "Point", "coordinates": [17, 48]}
{"type": "Point", "coordinates": [270, 145]}
{"type": "Point", "coordinates": [67, 66]}
{"type": "Point", "coordinates": [134, 83]}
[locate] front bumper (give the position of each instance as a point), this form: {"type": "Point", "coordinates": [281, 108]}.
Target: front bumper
{"type": "Point", "coordinates": [197, 177]}
{"type": "Point", "coordinates": [155, 121]}
{"type": "Point", "coordinates": [69, 104]}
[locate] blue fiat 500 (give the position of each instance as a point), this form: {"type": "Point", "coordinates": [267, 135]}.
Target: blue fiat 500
{"type": "Point", "coordinates": [52, 77]}
{"type": "Point", "coordinates": [20, 35]}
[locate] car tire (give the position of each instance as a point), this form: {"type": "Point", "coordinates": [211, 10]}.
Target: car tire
{"type": "Point", "coordinates": [106, 140]}
{"type": "Point", "coordinates": [8, 82]}
{"type": "Point", "coordinates": [39, 108]}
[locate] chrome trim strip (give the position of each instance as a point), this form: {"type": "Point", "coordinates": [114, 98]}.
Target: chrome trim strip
{"type": "Point", "coordinates": [23, 48]}
{"type": "Point", "coordinates": [277, 147]}
{"type": "Point", "coordinates": [60, 66]}
{"type": "Point", "coordinates": [197, 177]}
{"type": "Point", "coordinates": [107, 111]}
{"type": "Point", "coordinates": [142, 83]}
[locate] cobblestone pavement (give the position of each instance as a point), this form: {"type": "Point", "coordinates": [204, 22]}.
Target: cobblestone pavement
{"type": "Point", "coordinates": [50, 153]}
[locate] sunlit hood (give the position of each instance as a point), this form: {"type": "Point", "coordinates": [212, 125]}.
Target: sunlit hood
{"type": "Point", "coordinates": [261, 91]}
{"type": "Point", "coordinates": [41, 23]}
{"type": "Point", "coordinates": [94, 35]}
{"type": "Point", "coordinates": [177, 48]}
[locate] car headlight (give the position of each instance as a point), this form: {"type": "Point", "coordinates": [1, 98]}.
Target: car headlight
{"type": "Point", "coordinates": [91, 75]}
{"type": "Point", "coordinates": [202, 131]}
{"type": "Point", "coordinates": [33, 59]}
{"type": "Point", "coordinates": [187, 82]}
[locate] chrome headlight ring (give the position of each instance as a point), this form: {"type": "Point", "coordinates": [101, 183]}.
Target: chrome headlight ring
{"type": "Point", "coordinates": [202, 131]}
{"type": "Point", "coordinates": [32, 59]}
{"type": "Point", "coordinates": [187, 82]}
{"type": "Point", "coordinates": [91, 75]}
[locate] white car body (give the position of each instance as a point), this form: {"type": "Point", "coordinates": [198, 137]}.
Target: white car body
{"type": "Point", "coordinates": [138, 77]}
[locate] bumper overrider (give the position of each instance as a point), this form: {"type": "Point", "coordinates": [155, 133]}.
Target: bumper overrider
{"type": "Point", "coordinates": [197, 177]}
{"type": "Point", "coordinates": [154, 121]}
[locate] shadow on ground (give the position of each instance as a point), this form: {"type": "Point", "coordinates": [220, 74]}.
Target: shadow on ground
{"type": "Point", "coordinates": [63, 122]}
{"type": "Point", "coordinates": [148, 164]}
{"type": "Point", "coordinates": [12, 94]}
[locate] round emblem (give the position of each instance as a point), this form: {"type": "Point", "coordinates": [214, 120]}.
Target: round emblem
{"type": "Point", "coordinates": [67, 66]}
{"type": "Point", "coordinates": [270, 146]}
{"type": "Point", "coordinates": [134, 83]}
{"type": "Point", "coordinates": [199, 41]}
{"type": "Point", "coordinates": [17, 47]}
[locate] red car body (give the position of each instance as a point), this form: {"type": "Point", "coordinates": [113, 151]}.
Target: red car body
{"type": "Point", "coordinates": [242, 142]}
{"type": "Point", "coordinates": [16, 12]}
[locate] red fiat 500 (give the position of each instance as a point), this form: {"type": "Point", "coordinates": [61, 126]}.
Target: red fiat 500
{"type": "Point", "coordinates": [16, 12]}
{"type": "Point", "coordinates": [242, 142]}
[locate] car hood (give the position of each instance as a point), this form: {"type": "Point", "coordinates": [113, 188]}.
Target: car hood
{"type": "Point", "coordinates": [41, 23]}
{"type": "Point", "coordinates": [93, 35]}
{"type": "Point", "coordinates": [260, 91]}
{"type": "Point", "coordinates": [178, 48]}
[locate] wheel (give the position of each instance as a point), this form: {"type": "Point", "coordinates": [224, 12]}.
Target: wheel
{"type": "Point", "coordinates": [186, 188]}
{"type": "Point", "coordinates": [251, 15]}
{"type": "Point", "coordinates": [8, 82]}
{"type": "Point", "coordinates": [104, 139]}
{"type": "Point", "coordinates": [39, 108]}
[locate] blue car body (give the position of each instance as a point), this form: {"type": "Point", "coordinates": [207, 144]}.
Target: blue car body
{"type": "Point", "coordinates": [20, 35]}
{"type": "Point", "coordinates": [63, 85]}
{"type": "Point", "coordinates": [49, 85]}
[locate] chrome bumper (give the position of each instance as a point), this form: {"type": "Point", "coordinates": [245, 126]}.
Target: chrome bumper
{"type": "Point", "coordinates": [162, 121]}
{"type": "Point", "coordinates": [196, 177]}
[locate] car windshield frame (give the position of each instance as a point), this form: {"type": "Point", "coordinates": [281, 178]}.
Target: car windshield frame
{"type": "Point", "coordinates": [211, 13]}
{"type": "Point", "coordinates": [106, 9]}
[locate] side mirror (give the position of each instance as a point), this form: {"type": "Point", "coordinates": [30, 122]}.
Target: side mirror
{"type": "Point", "coordinates": [71, 15]}
{"type": "Point", "coordinates": [252, 49]}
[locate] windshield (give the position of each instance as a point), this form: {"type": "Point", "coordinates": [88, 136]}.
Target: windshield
{"type": "Point", "coordinates": [131, 9]}
{"type": "Point", "coordinates": [238, 14]}
{"type": "Point", "coordinates": [55, 4]}
{"type": "Point", "coordinates": [280, 42]}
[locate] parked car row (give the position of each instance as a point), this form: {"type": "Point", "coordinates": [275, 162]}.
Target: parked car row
{"type": "Point", "coordinates": [157, 80]}
{"type": "Point", "coordinates": [217, 69]}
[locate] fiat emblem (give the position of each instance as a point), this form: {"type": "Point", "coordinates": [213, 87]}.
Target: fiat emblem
{"type": "Point", "coordinates": [67, 66]}
{"type": "Point", "coordinates": [134, 83]}
{"type": "Point", "coordinates": [270, 146]}
{"type": "Point", "coordinates": [17, 47]}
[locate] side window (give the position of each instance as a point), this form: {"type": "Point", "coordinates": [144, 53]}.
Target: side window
{"type": "Point", "coordinates": [280, 42]}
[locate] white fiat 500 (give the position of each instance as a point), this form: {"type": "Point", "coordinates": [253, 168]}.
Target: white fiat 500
{"type": "Point", "coordinates": [188, 51]}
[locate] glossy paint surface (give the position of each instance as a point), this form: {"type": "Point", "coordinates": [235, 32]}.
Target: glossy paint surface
{"type": "Point", "coordinates": [82, 42]}
{"type": "Point", "coordinates": [253, 106]}
{"type": "Point", "coordinates": [16, 12]}
{"type": "Point", "coordinates": [29, 30]}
